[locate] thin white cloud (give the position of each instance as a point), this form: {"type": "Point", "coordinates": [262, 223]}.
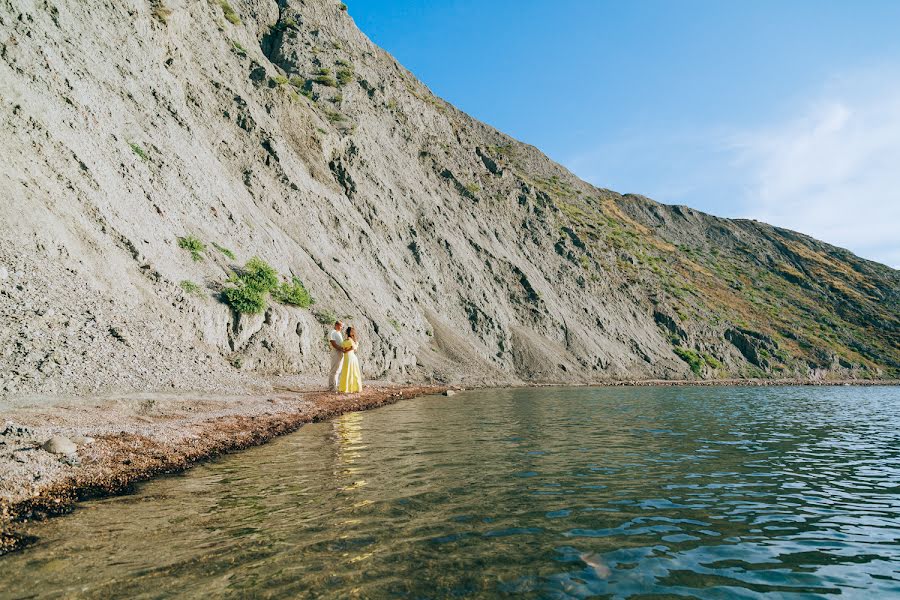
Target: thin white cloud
{"type": "Point", "coordinates": [832, 171]}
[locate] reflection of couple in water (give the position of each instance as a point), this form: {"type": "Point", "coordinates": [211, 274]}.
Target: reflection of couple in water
{"type": "Point", "coordinates": [344, 374]}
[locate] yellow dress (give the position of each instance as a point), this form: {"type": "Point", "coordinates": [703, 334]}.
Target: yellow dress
{"type": "Point", "coordinates": [350, 379]}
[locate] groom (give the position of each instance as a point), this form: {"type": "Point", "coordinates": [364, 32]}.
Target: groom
{"type": "Point", "coordinates": [335, 339]}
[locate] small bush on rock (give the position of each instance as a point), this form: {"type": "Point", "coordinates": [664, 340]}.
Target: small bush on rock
{"type": "Point", "coordinates": [229, 13]}
{"type": "Point", "coordinates": [245, 299]}
{"type": "Point", "coordinates": [326, 317]}
{"type": "Point", "coordinates": [323, 77]}
{"type": "Point", "coordinates": [257, 274]}
{"type": "Point", "coordinates": [344, 76]}
{"type": "Point", "coordinates": [241, 51]}
{"type": "Point", "coordinates": [694, 360]}
{"type": "Point", "coordinates": [161, 12]}
{"type": "Point", "coordinates": [224, 251]}
{"type": "Point", "coordinates": [139, 151]}
{"type": "Point", "coordinates": [293, 293]}
{"type": "Point", "coordinates": [193, 245]}
{"type": "Point", "coordinates": [190, 287]}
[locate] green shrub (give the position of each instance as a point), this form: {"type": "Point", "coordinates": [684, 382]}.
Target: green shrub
{"type": "Point", "coordinates": [193, 245]}
{"type": "Point", "coordinates": [691, 358]}
{"type": "Point", "coordinates": [245, 299]}
{"type": "Point", "coordinates": [293, 293]}
{"type": "Point", "coordinates": [343, 63]}
{"type": "Point", "coordinates": [334, 117]}
{"type": "Point", "coordinates": [395, 324]}
{"type": "Point", "coordinates": [323, 77]}
{"type": "Point", "coordinates": [258, 275]}
{"type": "Point", "coordinates": [238, 48]}
{"type": "Point", "coordinates": [342, 6]}
{"type": "Point", "coordinates": [224, 251]}
{"type": "Point", "coordinates": [712, 361]}
{"type": "Point", "coordinates": [139, 151]}
{"type": "Point", "coordinates": [344, 75]}
{"type": "Point", "coordinates": [250, 285]}
{"type": "Point", "coordinates": [191, 288]}
{"type": "Point", "coordinates": [279, 80]}
{"type": "Point", "coordinates": [229, 13]}
{"type": "Point", "coordinates": [297, 82]}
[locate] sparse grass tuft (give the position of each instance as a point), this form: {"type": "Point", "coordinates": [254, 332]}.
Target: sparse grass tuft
{"type": "Point", "coordinates": [230, 15]}
{"type": "Point", "coordinates": [279, 80]}
{"type": "Point", "coordinates": [193, 245]}
{"type": "Point", "coordinates": [240, 50]}
{"type": "Point", "coordinates": [334, 117]}
{"type": "Point", "coordinates": [326, 317]}
{"type": "Point", "coordinates": [161, 12]}
{"type": "Point", "coordinates": [293, 293]}
{"type": "Point", "coordinates": [139, 151]}
{"type": "Point", "coordinates": [191, 288]}
{"type": "Point", "coordinates": [691, 357]}
{"type": "Point", "coordinates": [344, 75]}
{"type": "Point", "coordinates": [323, 77]}
{"type": "Point", "coordinates": [224, 251]}
{"type": "Point", "coordinates": [395, 324]}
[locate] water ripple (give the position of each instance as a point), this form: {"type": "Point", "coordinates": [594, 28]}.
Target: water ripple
{"type": "Point", "coordinates": [672, 492]}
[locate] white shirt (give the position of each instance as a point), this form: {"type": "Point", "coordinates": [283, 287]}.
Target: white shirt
{"type": "Point", "coordinates": [336, 337]}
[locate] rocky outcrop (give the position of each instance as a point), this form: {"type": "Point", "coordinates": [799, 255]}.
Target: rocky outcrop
{"type": "Point", "coordinates": [277, 129]}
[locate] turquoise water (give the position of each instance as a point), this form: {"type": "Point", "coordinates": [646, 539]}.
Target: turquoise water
{"type": "Point", "coordinates": [537, 493]}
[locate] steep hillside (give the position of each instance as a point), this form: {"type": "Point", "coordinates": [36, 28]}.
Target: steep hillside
{"type": "Point", "coordinates": [276, 129]}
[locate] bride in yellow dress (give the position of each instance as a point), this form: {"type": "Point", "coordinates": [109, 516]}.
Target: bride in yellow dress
{"type": "Point", "coordinates": [350, 380]}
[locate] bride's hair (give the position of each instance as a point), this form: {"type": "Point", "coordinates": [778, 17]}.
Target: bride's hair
{"type": "Point", "coordinates": [351, 333]}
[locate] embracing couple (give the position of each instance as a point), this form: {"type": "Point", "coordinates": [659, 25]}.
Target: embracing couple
{"type": "Point", "coordinates": [344, 375]}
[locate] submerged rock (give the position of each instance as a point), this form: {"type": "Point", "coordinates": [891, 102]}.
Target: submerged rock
{"type": "Point", "coordinates": [59, 444]}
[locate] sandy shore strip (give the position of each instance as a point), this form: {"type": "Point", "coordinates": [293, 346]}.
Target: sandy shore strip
{"type": "Point", "coordinates": [124, 440]}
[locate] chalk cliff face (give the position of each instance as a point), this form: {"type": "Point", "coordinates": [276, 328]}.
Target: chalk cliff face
{"type": "Point", "coordinates": [277, 129]}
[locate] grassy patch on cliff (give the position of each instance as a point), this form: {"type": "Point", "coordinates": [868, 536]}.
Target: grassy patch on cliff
{"type": "Point", "coordinates": [230, 15]}
{"type": "Point", "coordinates": [293, 293]}
{"type": "Point", "coordinates": [249, 288]}
{"type": "Point", "coordinates": [193, 245]}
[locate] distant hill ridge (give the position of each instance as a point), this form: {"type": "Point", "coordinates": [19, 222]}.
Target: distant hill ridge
{"type": "Point", "coordinates": [149, 149]}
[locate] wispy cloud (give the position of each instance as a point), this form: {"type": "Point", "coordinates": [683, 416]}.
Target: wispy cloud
{"type": "Point", "coordinates": [832, 171]}
{"type": "Point", "coordinates": [830, 168]}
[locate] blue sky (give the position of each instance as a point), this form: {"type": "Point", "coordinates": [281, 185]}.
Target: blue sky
{"type": "Point", "coordinates": [788, 112]}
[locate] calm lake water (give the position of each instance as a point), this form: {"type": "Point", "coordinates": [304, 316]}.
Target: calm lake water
{"type": "Point", "coordinates": [538, 493]}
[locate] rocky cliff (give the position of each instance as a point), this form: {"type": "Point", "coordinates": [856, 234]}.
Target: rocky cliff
{"type": "Point", "coordinates": [149, 148]}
